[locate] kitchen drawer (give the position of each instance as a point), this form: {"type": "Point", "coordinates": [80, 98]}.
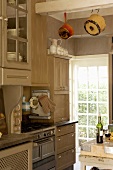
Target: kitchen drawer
{"type": "Point", "coordinates": [64, 143]}
{"type": "Point", "coordinates": [66, 159]}
{"type": "Point", "coordinates": [15, 77]}
{"type": "Point", "coordinates": [62, 130]}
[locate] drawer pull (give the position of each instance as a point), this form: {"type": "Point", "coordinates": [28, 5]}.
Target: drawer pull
{"type": "Point", "coordinates": [5, 19]}
{"type": "Point", "coordinates": [73, 151]}
{"type": "Point", "coordinates": [17, 76]}
{"type": "Point", "coordinates": [59, 157]}
{"type": "Point", "coordinates": [1, 17]}
{"type": "Point", "coordinates": [59, 130]}
{"type": "Point", "coordinates": [59, 139]}
{"type": "Point", "coordinates": [72, 135]}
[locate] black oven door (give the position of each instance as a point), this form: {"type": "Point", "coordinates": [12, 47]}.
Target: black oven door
{"type": "Point", "coordinates": [36, 152]}
{"type": "Point", "coordinates": [48, 147]}
{"type": "Point", "coordinates": [44, 154]}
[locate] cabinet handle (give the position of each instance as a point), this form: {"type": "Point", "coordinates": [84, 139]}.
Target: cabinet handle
{"type": "Point", "coordinates": [73, 151]}
{"type": "Point", "coordinates": [5, 19]}
{"type": "Point", "coordinates": [14, 76]}
{"type": "Point", "coordinates": [59, 157]}
{"type": "Point", "coordinates": [1, 17]}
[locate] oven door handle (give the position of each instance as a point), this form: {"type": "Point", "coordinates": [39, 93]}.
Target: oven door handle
{"type": "Point", "coordinates": [44, 141]}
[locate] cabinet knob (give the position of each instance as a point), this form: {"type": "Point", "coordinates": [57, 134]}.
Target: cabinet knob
{"type": "Point", "coordinates": [1, 17]}
{"type": "Point", "coordinates": [72, 135]}
{"type": "Point", "coordinates": [73, 151]}
{"type": "Point", "coordinates": [59, 157]}
{"type": "Point", "coordinates": [59, 130]}
{"type": "Point", "coordinates": [5, 19]}
{"type": "Point", "coordinates": [59, 139]}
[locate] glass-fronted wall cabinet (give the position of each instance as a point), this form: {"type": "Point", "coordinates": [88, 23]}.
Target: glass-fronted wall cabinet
{"type": "Point", "coordinates": [15, 34]}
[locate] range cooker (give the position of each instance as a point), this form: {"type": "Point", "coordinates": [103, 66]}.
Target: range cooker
{"type": "Point", "coordinates": [43, 145]}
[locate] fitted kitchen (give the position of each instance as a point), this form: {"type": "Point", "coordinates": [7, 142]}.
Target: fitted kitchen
{"type": "Point", "coordinates": [37, 131]}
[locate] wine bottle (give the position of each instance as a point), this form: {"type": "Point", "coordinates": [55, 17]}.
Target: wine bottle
{"type": "Point", "coordinates": [99, 134]}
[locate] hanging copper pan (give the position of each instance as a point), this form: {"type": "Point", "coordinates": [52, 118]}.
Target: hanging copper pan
{"type": "Point", "coordinates": [66, 30]}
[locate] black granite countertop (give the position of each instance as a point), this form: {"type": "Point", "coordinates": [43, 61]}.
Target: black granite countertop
{"type": "Point", "coordinates": [11, 140]}
{"type": "Point", "coordinates": [14, 139]}
{"type": "Point", "coordinates": [65, 123]}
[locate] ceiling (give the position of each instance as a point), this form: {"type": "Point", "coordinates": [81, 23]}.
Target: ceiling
{"type": "Point", "coordinates": [83, 14]}
{"type": "Point", "coordinates": [74, 9]}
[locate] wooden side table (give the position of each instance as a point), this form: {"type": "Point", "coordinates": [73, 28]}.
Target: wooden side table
{"type": "Point", "coordinates": [100, 162]}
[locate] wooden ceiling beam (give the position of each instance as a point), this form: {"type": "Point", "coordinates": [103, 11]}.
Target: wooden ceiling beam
{"type": "Point", "coordinates": [52, 7]}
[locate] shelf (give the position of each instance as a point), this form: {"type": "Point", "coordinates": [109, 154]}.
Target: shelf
{"type": "Point", "coordinates": [61, 56]}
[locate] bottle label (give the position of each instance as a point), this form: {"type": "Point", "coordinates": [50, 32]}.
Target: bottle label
{"type": "Point", "coordinates": [101, 132]}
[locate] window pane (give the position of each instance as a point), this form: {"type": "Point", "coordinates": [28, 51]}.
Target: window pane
{"type": "Point", "coordinates": [82, 120]}
{"type": "Point", "coordinates": [92, 120]}
{"type": "Point", "coordinates": [102, 96]}
{"type": "Point", "coordinates": [82, 95]}
{"type": "Point", "coordinates": [102, 108]}
{"type": "Point", "coordinates": [92, 132]}
{"type": "Point", "coordinates": [82, 132]}
{"type": "Point", "coordinates": [92, 108]}
{"type": "Point", "coordinates": [92, 96]}
{"type": "Point", "coordinates": [82, 107]}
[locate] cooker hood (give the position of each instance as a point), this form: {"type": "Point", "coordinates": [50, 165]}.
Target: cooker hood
{"type": "Point", "coordinates": [75, 9]}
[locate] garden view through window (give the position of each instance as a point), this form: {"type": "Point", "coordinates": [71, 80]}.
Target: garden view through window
{"type": "Point", "coordinates": [89, 94]}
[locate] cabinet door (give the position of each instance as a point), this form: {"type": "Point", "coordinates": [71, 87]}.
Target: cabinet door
{"type": "Point", "coordinates": [65, 74]}
{"type": "Point", "coordinates": [61, 82]}
{"type": "Point", "coordinates": [62, 107]}
{"type": "Point", "coordinates": [65, 142]}
{"type": "Point", "coordinates": [65, 159]}
{"type": "Point", "coordinates": [16, 51]}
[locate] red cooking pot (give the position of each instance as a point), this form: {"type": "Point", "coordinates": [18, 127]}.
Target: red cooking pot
{"type": "Point", "coordinates": [66, 30]}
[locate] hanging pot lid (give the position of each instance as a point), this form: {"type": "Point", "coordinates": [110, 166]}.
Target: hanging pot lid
{"type": "Point", "coordinates": [95, 24]}
{"type": "Point", "coordinates": [66, 30]}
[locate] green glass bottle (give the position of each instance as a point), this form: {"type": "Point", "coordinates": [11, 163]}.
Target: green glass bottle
{"type": "Point", "coordinates": [99, 133]}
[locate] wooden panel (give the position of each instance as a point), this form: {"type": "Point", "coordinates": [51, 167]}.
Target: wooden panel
{"type": "Point", "coordinates": [65, 142]}
{"type": "Point", "coordinates": [62, 130]}
{"type": "Point", "coordinates": [57, 76]}
{"type": "Point", "coordinates": [16, 77]}
{"type": "Point", "coordinates": [62, 107]}
{"type": "Point", "coordinates": [65, 5]}
{"type": "Point", "coordinates": [65, 74]}
{"type": "Point", "coordinates": [65, 159]}
{"type": "Point", "coordinates": [38, 47]}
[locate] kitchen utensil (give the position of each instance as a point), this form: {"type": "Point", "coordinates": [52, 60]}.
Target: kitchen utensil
{"type": "Point", "coordinates": [66, 30]}
{"type": "Point", "coordinates": [95, 24]}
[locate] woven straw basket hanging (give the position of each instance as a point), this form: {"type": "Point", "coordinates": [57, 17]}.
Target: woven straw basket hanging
{"type": "Point", "coordinates": [95, 24]}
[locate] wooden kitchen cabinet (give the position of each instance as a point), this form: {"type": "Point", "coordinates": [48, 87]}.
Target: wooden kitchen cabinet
{"type": "Point", "coordinates": [39, 73]}
{"type": "Point", "coordinates": [15, 39]}
{"type": "Point", "coordinates": [65, 146]}
{"type": "Point", "coordinates": [62, 107]}
{"type": "Point", "coordinates": [59, 73]}
{"type": "Point", "coordinates": [58, 67]}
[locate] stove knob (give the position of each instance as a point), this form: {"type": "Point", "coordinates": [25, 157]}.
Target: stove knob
{"type": "Point", "coordinates": [44, 134]}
